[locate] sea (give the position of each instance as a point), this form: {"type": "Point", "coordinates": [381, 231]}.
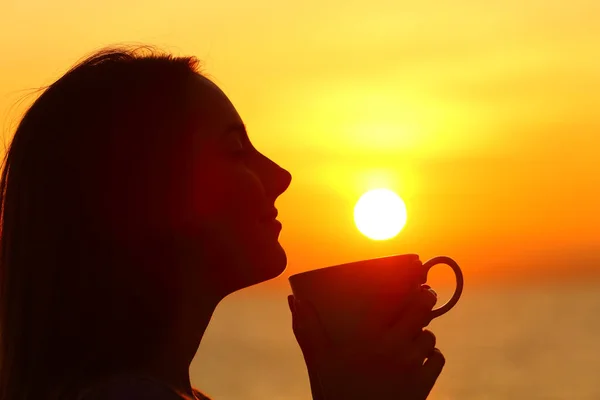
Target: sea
{"type": "Point", "coordinates": [534, 342]}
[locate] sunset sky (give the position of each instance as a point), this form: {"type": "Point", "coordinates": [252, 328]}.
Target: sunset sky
{"type": "Point", "coordinates": [484, 116]}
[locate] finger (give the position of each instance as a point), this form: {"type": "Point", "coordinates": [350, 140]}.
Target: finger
{"type": "Point", "coordinates": [291, 304]}
{"type": "Point", "coordinates": [420, 349]}
{"type": "Point", "coordinates": [430, 371]}
{"type": "Point", "coordinates": [315, 385]}
{"type": "Point", "coordinates": [308, 329]}
{"type": "Point", "coordinates": [416, 316]}
{"type": "Point", "coordinates": [435, 295]}
{"type": "Point", "coordinates": [429, 297]}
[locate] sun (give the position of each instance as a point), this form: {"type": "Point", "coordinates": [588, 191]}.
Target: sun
{"type": "Point", "coordinates": [380, 214]}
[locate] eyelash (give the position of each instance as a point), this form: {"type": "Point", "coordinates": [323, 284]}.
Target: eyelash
{"type": "Point", "coordinates": [242, 150]}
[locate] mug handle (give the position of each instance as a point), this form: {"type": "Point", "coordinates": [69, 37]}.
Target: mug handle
{"type": "Point", "coordinates": [459, 283]}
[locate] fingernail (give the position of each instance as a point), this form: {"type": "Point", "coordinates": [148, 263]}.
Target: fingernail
{"type": "Point", "coordinates": [426, 286]}
{"type": "Point", "coordinates": [432, 291]}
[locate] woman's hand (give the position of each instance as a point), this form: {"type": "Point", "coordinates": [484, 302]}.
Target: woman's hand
{"type": "Point", "coordinates": [402, 365]}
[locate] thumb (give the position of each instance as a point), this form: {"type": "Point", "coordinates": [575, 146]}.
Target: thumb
{"type": "Point", "coordinates": [308, 329]}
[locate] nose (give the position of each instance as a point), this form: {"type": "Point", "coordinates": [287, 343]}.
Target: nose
{"type": "Point", "coordinates": [276, 179]}
{"type": "Point", "coordinates": [282, 181]}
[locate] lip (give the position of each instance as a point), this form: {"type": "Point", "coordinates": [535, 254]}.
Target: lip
{"type": "Point", "coordinates": [274, 224]}
{"type": "Point", "coordinates": [270, 216]}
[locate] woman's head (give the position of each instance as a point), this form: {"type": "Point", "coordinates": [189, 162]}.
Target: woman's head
{"type": "Point", "coordinates": [129, 183]}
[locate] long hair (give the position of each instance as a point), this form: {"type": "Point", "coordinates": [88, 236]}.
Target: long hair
{"type": "Point", "coordinates": [95, 166]}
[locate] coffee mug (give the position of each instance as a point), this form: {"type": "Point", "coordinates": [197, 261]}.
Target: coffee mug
{"type": "Point", "coordinates": [360, 299]}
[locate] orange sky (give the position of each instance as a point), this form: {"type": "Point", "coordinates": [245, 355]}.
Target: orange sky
{"type": "Point", "coordinates": [483, 116]}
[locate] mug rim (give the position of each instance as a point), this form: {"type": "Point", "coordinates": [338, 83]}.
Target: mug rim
{"type": "Point", "coordinates": [331, 268]}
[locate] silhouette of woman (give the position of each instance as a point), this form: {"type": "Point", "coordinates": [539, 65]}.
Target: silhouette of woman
{"type": "Point", "coordinates": [132, 203]}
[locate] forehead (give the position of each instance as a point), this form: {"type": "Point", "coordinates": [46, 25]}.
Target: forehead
{"type": "Point", "coordinates": [213, 115]}
{"type": "Point", "coordinates": [213, 107]}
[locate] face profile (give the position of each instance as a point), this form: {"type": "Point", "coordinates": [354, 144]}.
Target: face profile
{"type": "Point", "coordinates": [235, 188]}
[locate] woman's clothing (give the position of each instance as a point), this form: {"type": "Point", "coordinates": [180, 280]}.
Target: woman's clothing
{"type": "Point", "coordinates": [135, 388]}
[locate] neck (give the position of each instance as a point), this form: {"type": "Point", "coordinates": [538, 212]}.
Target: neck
{"type": "Point", "coordinates": [172, 363]}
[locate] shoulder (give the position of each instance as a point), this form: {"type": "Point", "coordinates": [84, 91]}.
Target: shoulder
{"type": "Point", "coordinates": [132, 388]}
{"type": "Point", "coordinates": [200, 395]}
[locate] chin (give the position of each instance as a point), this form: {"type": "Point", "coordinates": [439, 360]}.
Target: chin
{"type": "Point", "coordinates": [258, 267]}
{"type": "Point", "coordinates": [271, 265]}
{"type": "Point", "coordinates": [280, 262]}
